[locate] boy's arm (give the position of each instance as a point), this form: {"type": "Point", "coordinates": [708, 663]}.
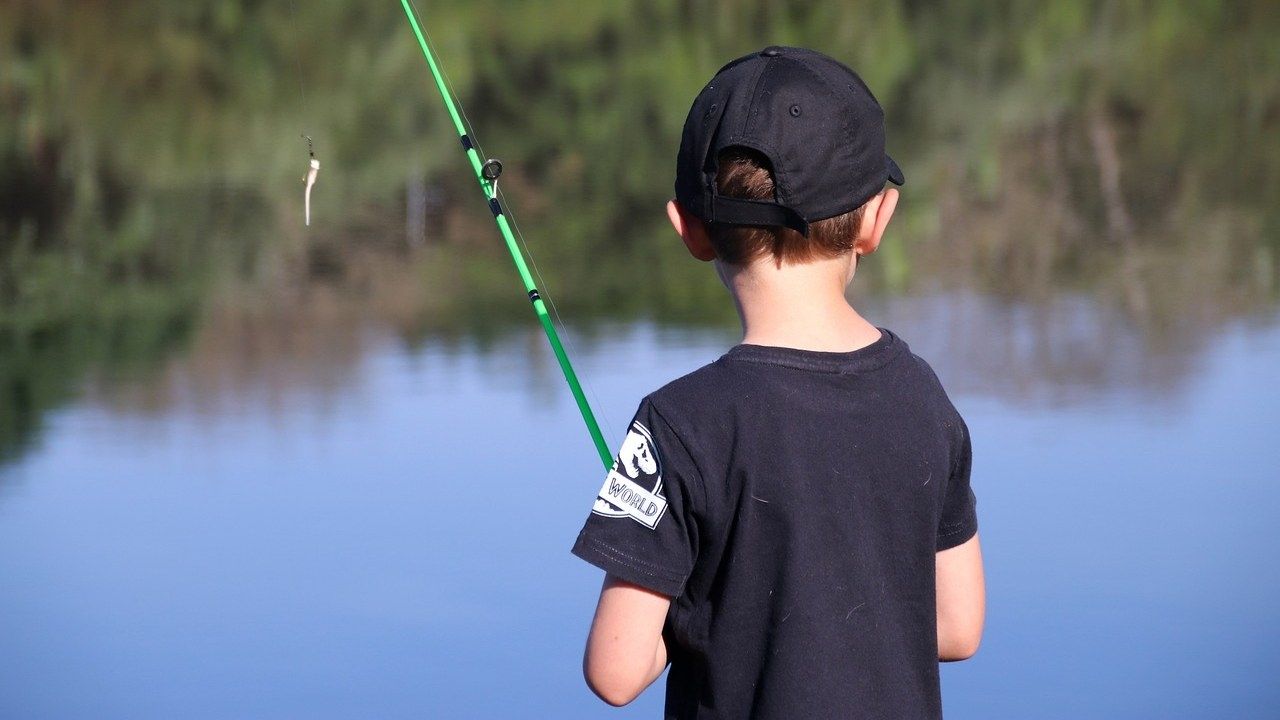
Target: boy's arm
{"type": "Point", "coordinates": [962, 599]}
{"type": "Point", "coordinates": [625, 650]}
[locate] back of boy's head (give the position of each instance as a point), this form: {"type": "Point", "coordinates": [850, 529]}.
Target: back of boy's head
{"type": "Point", "coordinates": [745, 174]}
{"type": "Point", "coordinates": [779, 153]}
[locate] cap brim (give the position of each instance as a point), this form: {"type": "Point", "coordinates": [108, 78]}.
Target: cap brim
{"type": "Point", "coordinates": [895, 172]}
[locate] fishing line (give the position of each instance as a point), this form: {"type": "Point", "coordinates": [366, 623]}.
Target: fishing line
{"type": "Point", "coordinates": [496, 192]}
{"type": "Point", "coordinates": [595, 397]}
{"type": "Point", "coordinates": [297, 57]}
{"type": "Point", "coordinates": [313, 165]}
{"type": "Point", "coordinates": [471, 130]}
{"type": "Point", "coordinates": [487, 173]}
{"type": "Point", "coordinates": [544, 289]}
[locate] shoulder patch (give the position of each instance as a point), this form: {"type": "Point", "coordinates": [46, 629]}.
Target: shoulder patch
{"type": "Point", "coordinates": [633, 488]}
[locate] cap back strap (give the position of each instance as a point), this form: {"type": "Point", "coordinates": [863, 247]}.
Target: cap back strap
{"type": "Point", "coordinates": [737, 211]}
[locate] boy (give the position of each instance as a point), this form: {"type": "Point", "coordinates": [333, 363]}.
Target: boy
{"type": "Point", "coordinates": [791, 526]}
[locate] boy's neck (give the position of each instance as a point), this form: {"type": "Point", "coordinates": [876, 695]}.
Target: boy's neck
{"type": "Point", "coordinates": [798, 306]}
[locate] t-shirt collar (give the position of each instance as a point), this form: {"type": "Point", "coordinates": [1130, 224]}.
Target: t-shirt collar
{"type": "Point", "coordinates": [873, 356]}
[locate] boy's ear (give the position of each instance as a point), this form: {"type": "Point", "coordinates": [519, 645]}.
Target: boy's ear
{"type": "Point", "coordinates": [875, 218]}
{"type": "Point", "coordinates": [692, 231]}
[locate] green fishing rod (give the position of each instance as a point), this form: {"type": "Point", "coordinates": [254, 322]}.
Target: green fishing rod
{"type": "Point", "coordinates": [487, 173]}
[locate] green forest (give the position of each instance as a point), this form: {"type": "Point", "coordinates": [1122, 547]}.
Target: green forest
{"type": "Point", "coordinates": [151, 155]}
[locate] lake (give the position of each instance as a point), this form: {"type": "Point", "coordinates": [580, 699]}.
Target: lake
{"type": "Point", "coordinates": [390, 538]}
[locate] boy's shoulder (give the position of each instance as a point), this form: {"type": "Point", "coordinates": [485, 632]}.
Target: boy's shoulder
{"type": "Point", "coordinates": [754, 378]}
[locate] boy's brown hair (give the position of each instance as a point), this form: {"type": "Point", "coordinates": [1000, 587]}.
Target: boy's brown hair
{"type": "Point", "coordinates": [744, 173]}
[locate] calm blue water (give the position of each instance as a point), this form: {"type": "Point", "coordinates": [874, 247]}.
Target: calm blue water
{"type": "Point", "coordinates": [391, 540]}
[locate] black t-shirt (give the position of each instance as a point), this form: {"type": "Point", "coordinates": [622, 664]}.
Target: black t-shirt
{"type": "Point", "coordinates": [791, 503]}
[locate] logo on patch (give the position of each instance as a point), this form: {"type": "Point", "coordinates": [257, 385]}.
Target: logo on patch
{"type": "Point", "coordinates": [633, 488]}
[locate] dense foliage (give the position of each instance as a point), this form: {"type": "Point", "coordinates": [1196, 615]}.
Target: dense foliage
{"type": "Point", "coordinates": [150, 154]}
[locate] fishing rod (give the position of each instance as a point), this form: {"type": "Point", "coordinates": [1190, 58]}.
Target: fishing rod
{"type": "Point", "coordinates": [487, 172]}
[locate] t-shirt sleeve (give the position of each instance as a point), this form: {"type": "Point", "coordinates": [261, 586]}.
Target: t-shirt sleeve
{"type": "Point", "coordinates": [958, 521]}
{"type": "Point", "coordinates": [642, 525]}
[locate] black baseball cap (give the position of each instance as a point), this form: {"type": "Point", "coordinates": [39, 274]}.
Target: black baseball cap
{"type": "Point", "coordinates": [812, 117]}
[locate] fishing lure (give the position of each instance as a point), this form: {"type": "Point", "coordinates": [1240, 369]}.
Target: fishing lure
{"type": "Point", "coordinates": [313, 171]}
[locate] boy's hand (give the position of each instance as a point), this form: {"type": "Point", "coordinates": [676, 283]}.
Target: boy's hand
{"type": "Point", "coordinates": [625, 650]}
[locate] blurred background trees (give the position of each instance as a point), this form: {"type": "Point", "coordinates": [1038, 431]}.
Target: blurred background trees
{"type": "Point", "coordinates": [150, 154]}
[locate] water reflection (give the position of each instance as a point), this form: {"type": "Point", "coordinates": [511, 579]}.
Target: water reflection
{"type": "Point", "coordinates": [1072, 350]}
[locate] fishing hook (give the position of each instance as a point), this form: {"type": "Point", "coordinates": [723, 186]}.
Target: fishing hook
{"type": "Point", "coordinates": [313, 171]}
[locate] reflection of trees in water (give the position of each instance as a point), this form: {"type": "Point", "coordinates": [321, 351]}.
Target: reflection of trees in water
{"type": "Point", "coordinates": [1113, 151]}
{"type": "Point", "coordinates": [279, 354]}
{"type": "Point", "coordinates": [113, 311]}
{"type": "Point", "coordinates": [253, 357]}
{"type": "Point", "coordinates": [273, 352]}
{"type": "Point", "coordinates": [1168, 268]}
{"type": "Point", "coordinates": [43, 364]}
{"type": "Point", "coordinates": [1068, 350]}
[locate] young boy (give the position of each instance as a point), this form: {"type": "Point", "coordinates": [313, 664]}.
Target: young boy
{"type": "Point", "coordinates": [791, 526]}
